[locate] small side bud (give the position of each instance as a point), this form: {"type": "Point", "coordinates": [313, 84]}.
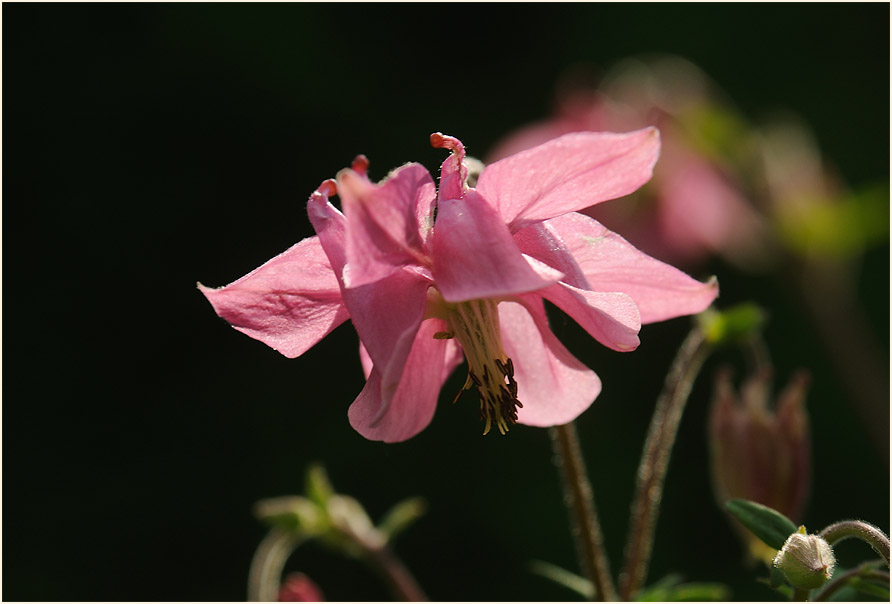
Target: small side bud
{"type": "Point", "coordinates": [735, 324]}
{"type": "Point", "coordinates": [807, 561]}
{"type": "Point", "coordinates": [298, 587]}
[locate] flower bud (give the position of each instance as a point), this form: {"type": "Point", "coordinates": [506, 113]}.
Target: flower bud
{"type": "Point", "coordinates": [297, 587]}
{"type": "Point", "coordinates": [807, 561]}
{"type": "Point", "coordinates": [757, 453]}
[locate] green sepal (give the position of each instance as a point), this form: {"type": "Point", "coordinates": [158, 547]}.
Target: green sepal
{"type": "Point", "coordinates": [776, 577]}
{"type": "Point", "coordinates": [318, 486]}
{"type": "Point", "coordinates": [401, 516]}
{"type": "Point", "coordinates": [732, 325]}
{"type": "Point", "coordinates": [767, 524]}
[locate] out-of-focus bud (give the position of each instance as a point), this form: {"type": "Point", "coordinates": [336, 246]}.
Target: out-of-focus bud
{"type": "Point", "coordinates": [354, 532]}
{"type": "Point", "coordinates": [813, 212]}
{"type": "Point", "coordinates": [297, 587]}
{"type": "Point", "coordinates": [807, 561]}
{"type": "Point", "coordinates": [758, 453]}
{"type": "Point", "coordinates": [293, 513]}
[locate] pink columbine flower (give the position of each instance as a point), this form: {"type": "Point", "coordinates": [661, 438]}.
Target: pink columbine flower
{"type": "Point", "coordinates": [429, 275]}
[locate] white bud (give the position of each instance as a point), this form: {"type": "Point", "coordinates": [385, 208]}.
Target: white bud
{"type": "Point", "coordinates": [807, 561]}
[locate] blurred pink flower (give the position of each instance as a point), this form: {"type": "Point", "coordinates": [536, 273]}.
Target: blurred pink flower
{"type": "Point", "coordinates": [426, 275]}
{"type": "Point", "coordinates": [693, 207]}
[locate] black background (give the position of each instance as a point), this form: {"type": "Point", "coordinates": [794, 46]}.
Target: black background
{"type": "Point", "coordinates": [146, 147]}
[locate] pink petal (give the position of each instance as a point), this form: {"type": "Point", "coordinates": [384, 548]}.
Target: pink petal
{"type": "Point", "coordinates": [289, 303]}
{"type": "Point", "coordinates": [388, 223]}
{"type": "Point", "coordinates": [610, 317]}
{"type": "Point", "coordinates": [475, 256]}
{"type": "Point", "coordinates": [386, 313]}
{"type": "Point", "coordinates": [553, 386]}
{"type": "Point", "coordinates": [569, 173]}
{"type": "Point", "coordinates": [611, 263]}
{"type": "Point", "coordinates": [403, 413]}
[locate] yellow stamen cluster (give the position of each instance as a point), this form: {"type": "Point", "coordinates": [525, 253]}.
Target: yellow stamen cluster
{"type": "Point", "coordinates": [475, 324]}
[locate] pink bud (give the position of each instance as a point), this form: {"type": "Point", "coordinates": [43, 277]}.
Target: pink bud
{"type": "Point", "coordinates": [297, 587]}
{"type": "Point", "coordinates": [760, 453]}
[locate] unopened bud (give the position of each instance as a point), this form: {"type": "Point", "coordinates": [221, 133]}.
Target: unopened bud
{"type": "Point", "coordinates": [807, 561]}
{"type": "Point", "coordinates": [760, 452]}
{"type": "Point", "coordinates": [297, 587]}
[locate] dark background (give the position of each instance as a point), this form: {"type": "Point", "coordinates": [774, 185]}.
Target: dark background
{"type": "Point", "coordinates": [150, 146]}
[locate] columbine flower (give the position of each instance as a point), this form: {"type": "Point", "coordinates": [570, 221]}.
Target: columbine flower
{"type": "Point", "coordinates": [426, 275]}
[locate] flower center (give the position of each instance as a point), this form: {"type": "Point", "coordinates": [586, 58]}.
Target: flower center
{"type": "Point", "coordinates": [475, 324]}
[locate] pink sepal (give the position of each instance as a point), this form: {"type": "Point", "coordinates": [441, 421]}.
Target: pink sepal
{"type": "Point", "coordinates": [568, 174]}
{"type": "Point", "coordinates": [612, 264]}
{"type": "Point", "coordinates": [289, 303]}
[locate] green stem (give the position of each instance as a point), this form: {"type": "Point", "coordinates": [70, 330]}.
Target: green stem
{"type": "Point", "coordinates": [581, 506]}
{"type": "Point", "coordinates": [655, 460]}
{"type": "Point", "coordinates": [858, 529]}
{"type": "Point", "coordinates": [265, 576]}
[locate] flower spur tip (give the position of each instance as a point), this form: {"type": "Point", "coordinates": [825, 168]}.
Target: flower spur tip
{"type": "Point", "coordinates": [360, 164]}
{"type": "Point", "coordinates": [328, 188]}
{"type": "Point", "coordinates": [443, 141]}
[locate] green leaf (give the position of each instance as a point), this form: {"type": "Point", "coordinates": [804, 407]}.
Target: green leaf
{"type": "Point", "coordinates": [571, 581]}
{"type": "Point", "coordinates": [767, 524]}
{"type": "Point", "coordinates": [670, 589]}
{"type": "Point", "coordinates": [870, 588]}
{"type": "Point", "coordinates": [401, 516]}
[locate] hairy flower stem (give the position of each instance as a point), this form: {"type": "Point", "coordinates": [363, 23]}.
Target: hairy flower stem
{"type": "Point", "coordinates": [866, 571]}
{"type": "Point", "coordinates": [655, 460]}
{"type": "Point", "coordinates": [581, 506]}
{"type": "Point", "coordinates": [859, 530]}
{"type": "Point", "coordinates": [265, 576]}
{"type": "Point", "coordinates": [398, 578]}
